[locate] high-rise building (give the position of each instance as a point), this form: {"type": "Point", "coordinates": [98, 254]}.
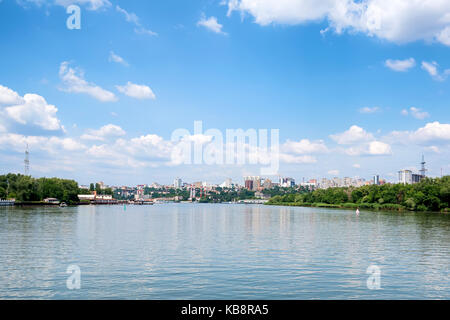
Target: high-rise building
{"type": "Point", "coordinates": [252, 183]}
{"type": "Point", "coordinates": [376, 180]}
{"type": "Point", "coordinates": [288, 182]}
{"type": "Point", "coordinates": [178, 183]}
{"type": "Point", "coordinates": [405, 177]}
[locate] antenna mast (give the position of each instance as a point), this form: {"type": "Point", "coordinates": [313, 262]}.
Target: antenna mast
{"type": "Point", "coordinates": [27, 161]}
{"type": "Point", "coordinates": [423, 171]}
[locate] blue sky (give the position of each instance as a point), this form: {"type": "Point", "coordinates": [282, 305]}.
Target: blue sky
{"type": "Point", "coordinates": [352, 92]}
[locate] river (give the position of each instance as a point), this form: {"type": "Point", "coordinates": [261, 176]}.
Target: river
{"type": "Point", "coordinates": [222, 251]}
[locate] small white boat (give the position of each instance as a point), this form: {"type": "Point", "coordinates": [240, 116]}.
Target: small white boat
{"type": "Point", "coordinates": [63, 205]}
{"type": "Point", "coordinates": [7, 203]}
{"type": "Point", "coordinates": [357, 212]}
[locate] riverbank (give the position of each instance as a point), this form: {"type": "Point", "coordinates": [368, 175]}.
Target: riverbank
{"type": "Point", "coordinates": [361, 206]}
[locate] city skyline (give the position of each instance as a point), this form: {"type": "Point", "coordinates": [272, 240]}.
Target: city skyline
{"type": "Point", "coordinates": [348, 100]}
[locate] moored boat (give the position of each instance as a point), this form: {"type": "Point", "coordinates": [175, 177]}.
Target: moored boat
{"type": "Point", "coordinates": [4, 203]}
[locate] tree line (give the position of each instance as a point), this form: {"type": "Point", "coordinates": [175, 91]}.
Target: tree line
{"type": "Point", "coordinates": [29, 189]}
{"type": "Point", "coordinates": [431, 194]}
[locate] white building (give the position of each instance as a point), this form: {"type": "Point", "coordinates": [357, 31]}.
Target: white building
{"type": "Point", "coordinates": [405, 177]}
{"type": "Point", "coordinates": [178, 183]}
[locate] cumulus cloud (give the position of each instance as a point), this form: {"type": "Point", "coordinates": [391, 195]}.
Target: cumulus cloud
{"type": "Point", "coordinates": [400, 65]}
{"type": "Point", "coordinates": [35, 111]}
{"type": "Point", "coordinates": [353, 135]}
{"type": "Point", "coordinates": [432, 134]}
{"type": "Point", "coordinates": [29, 110]}
{"type": "Point", "coordinates": [105, 132]}
{"type": "Point", "coordinates": [53, 145]}
{"type": "Point", "coordinates": [374, 148]}
{"type": "Point", "coordinates": [416, 113]}
{"type": "Point", "coordinates": [137, 91]}
{"type": "Point", "coordinates": [118, 59]}
{"type": "Point", "coordinates": [9, 97]}
{"type": "Point", "coordinates": [144, 151]}
{"type": "Point", "coordinates": [211, 24]}
{"type": "Point", "coordinates": [75, 83]}
{"type": "Point", "coordinates": [399, 21]}
{"type": "Point", "coordinates": [304, 146]}
{"type": "Point", "coordinates": [293, 159]}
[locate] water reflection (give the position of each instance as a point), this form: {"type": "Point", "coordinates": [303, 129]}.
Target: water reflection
{"type": "Point", "coordinates": [188, 251]}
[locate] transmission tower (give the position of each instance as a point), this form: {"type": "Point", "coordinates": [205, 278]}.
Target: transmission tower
{"type": "Point", "coordinates": [27, 161]}
{"type": "Point", "coordinates": [423, 170]}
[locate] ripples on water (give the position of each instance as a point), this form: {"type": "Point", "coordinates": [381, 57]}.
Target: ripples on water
{"type": "Point", "coordinates": [190, 251]}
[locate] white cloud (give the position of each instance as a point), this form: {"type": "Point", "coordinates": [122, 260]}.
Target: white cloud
{"type": "Point", "coordinates": [398, 21]}
{"type": "Point", "coordinates": [444, 36]}
{"type": "Point", "coordinates": [134, 19]}
{"type": "Point", "coordinates": [108, 131]}
{"type": "Point", "coordinates": [35, 111]}
{"type": "Point", "coordinates": [416, 113]}
{"type": "Point", "coordinates": [130, 17]}
{"type": "Point", "coordinates": [357, 166]}
{"type": "Point", "coordinates": [433, 70]}
{"type": "Point", "coordinates": [400, 65]}
{"type": "Point", "coordinates": [118, 59]}
{"type": "Point", "coordinates": [9, 97]}
{"type": "Point", "coordinates": [145, 151]}
{"type": "Point", "coordinates": [76, 83]}
{"type": "Point", "coordinates": [334, 172]}
{"type": "Point", "coordinates": [53, 145]}
{"type": "Point", "coordinates": [378, 148]}
{"type": "Point", "coordinates": [373, 148]}
{"type": "Point", "coordinates": [32, 109]}
{"type": "Point", "coordinates": [434, 149]}
{"type": "Point", "coordinates": [432, 134]}
{"type": "Point", "coordinates": [137, 91]}
{"type": "Point", "coordinates": [368, 110]}
{"type": "Point", "coordinates": [145, 31]}
{"type": "Point", "coordinates": [353, 135]}
{"type": "Point", "coordinates": [92, 4]}
{"type": "Point", "coordinates": [211, 24]}
{"type": "Point", "coordinates": [292, 159]}
{"type": "Point", "coordinates": [304, 146]}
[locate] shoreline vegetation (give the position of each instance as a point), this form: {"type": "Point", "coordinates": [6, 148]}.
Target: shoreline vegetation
{"type": "Point", "coordinates": [430, 195]}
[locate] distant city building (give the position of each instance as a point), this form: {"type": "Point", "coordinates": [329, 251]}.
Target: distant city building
{"type": "Point", "coordinates": [228, 183]}
{"type": "Point", "coordinates": [408, 177]}
{"type": "Point", "coordinates": [267, 184]}
{"type": "Point", "coordinates": [178, 183]}
{"type": "Point", "coordinates": [252, 183]}
{"type": "Point", "coordinates": [287, 182]}
{"type": "Point", "coordinates": [376, 180]}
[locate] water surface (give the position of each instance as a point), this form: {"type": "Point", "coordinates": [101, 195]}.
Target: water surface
{"type": "Point", "coordinates": [194, 251]}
